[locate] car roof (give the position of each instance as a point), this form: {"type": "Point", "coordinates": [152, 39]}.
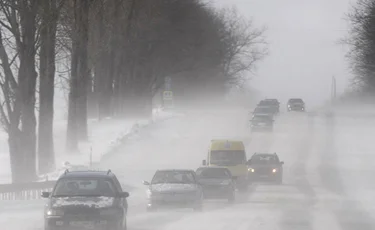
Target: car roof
{"type": "Point", "coordinates": [265, 154]}
{"type": "Point", "coordinates": [270, 100]}
{"type": "Point", "coordinates": [263, 115]}
{"type": "Point", "coordinates": [224, 144]}
{"type": "Point", "coordinates": [87, 174]}
{"type": "Point", "coordinates": [213, 167]}
{"type": "Point", "coordinates": [175, 170]}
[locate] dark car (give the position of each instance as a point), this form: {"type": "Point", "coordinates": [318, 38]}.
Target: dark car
{"type": "Point", "coordinates": [263, 110]}
{"type": "Point", "coordinates": [271, 102]}
{"type": "Point", "coordinates": [265, 167]}
{"type": "Point", "coordinates": [261, 123]}
{"type": "Point", "coordinates": [86, 200]}
{"type": "Point", "coordinates": [174, 188]}
{"type": "Point", "coordinates": [217, 183]}
{"type": "Point", "coordinates": [296, 104]}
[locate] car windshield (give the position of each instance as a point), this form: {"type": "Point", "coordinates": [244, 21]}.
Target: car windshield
{"type": "Point", "coordinates": [263, 110]}
{"type": "Point", "coordinates": [173, 177]}
{"type": "Point", "coordinates": [269, 102]}
{"type": "Point", "coordinates": [262, 118]}
{"type": "Point", "coordinates": [213, 173]}
{"type": "Point", "coordinates": [264, 159]}
{"type": "Point", "coordinates": [68, 187]}
{"type": "Point", "coordinates": [296, 100]}
{"type": "Point", "coordinates": [227, 158]}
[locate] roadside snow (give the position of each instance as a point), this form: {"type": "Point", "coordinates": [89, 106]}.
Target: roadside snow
{"type": "Point", "coordinates": [104, 136]}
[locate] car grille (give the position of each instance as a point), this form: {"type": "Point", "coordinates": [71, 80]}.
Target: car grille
{"type": "Point", "coordinates": [263, 171]}
{"type": "Point", "coordinates": [82, 212]}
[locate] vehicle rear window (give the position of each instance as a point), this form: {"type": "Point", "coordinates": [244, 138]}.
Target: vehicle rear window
{"type": "Point", "coordinates": [227, 158]}
{"type": "Point", "coordinates": [263, 109]}
{"type": "Point", "coordinates": [213, 173]}
{"type": "Point", "coordinates": [262, 118]}
{"type": "Point", "coordinates": [269, 102]}
{"type": "Point", "coordinates": [84, 187]}
{"type": "Point", "coordinates": [173, 177]}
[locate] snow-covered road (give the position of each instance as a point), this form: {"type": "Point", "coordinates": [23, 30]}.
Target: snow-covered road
{"type": "Point", "coordinates": [328, 175]}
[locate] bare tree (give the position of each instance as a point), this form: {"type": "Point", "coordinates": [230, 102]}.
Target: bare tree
{"type": "Point", "coordinates": [18, 112]}
{"type": "Point", "coordinates": [361, 42]}
{"type": "Point", "coordinates": [77, 115]}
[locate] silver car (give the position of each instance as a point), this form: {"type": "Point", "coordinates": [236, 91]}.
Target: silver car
{"type": "Point", "coordinates": [174, 188]}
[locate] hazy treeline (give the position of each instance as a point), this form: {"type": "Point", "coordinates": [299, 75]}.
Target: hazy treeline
{"type": "Point", "coordinates": [361, 43]}
{"type": "Point", "coordinates": [120, 51]}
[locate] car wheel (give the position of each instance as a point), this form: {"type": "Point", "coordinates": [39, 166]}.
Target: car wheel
{"type": "Point", "coordinates": [151, 209]}
{"type": "Point", "coordinates": [232, 197]}
{"type": "Point", "coordinates": [125, 225]}
{"type": "Point", "coordinates": [199, 204]}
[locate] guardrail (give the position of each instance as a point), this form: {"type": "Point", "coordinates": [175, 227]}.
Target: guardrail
{"type": "Point", "coordinates": [25, 191]}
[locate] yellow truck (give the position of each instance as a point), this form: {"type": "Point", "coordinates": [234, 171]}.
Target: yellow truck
{"type": "Point", "coordinates": [232, 155]}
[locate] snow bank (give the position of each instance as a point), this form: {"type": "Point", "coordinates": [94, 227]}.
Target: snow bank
{"type": "Point", "coordinates": [105, 138]}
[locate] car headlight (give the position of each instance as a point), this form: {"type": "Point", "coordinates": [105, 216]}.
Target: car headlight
{"type": "Point", "coordinates": [54, 212]}
{"type": "Point", "coordinates": [151, 194]}
{"type": "Point", "coordinates": [274, 170]}
{"type": "Point", "coordinates": [251, 170]}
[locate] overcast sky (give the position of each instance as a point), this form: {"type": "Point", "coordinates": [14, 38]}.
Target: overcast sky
{"type": "Point", "coordinates": [304, 54]}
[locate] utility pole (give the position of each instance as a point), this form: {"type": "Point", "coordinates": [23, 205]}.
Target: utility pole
{"type": "Point", "coordinates": [333, 89]}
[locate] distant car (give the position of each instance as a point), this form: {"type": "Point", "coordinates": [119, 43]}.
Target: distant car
{"type": "Point", "coordinates": [296, 104]}
{"type": "Point", "coordinates": [217, 182]}
{"type": "Point", "coordinates": [86, 200]}
{"type": "Point", "coordinates": [263, 110]}
{"type": "Point", "coordinates": [261, 123]}
{"type": "Point", "coordinates": [270, 102]}
{"type": "Point", "coordinates": [174, 188]}
{"type": "Point", "coordinates": [265, 167]}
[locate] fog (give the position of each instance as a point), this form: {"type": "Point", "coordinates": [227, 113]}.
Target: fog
{"type": "Point", "coordinates": [304, 53]}
{"type": "Point", "coordinates": [329, 161]}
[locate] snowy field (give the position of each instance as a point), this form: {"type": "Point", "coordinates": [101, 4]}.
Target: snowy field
{"type": "Point", "coordinates": [328, 175]}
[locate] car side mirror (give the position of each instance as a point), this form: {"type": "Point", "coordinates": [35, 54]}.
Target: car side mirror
{"type": "Point", "coordinates": [45, 194]}
{"type": "Point", "coordinates": [124, 194]}
{"type": "Point", "coordinates": [204, 162]}
{"type": "Point", "coordinates": [282, 162]}
{"type": "Point", "coordinates": [146, 182]}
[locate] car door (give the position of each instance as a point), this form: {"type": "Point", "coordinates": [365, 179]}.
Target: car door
{"type": "Point", "coordinates": [229, 174]}
{"type": "Point", "coordinates": [123, 200]}
{"type": "Point", "coordinates": [199, 186]}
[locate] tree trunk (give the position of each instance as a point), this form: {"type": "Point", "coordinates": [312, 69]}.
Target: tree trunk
{"type": "Point", "coordinates": [71, 134]}
{"type": "Point", "coordinates": [46, 157]}
{"type": "Point", "coordinates": [27, 84]}
{"type": "Point", "coordinates": [77, 112]}
{"type": "Point", "coordinates": [82, 25]}
{"type": "Point", "coordinates": [17, 159]}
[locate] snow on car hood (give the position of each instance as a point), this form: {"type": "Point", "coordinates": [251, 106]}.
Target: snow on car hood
{"type": "Point", "coordinates": [92, 202]}
{"type": "Point", "coordinates": [173, 187]}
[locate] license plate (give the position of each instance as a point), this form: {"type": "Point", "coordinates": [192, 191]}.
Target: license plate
{"type": "Point", "coordinates": [85, 224]}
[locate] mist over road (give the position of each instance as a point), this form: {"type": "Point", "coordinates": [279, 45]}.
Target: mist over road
{"type": "Point", "coordinates": [327, 174]}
